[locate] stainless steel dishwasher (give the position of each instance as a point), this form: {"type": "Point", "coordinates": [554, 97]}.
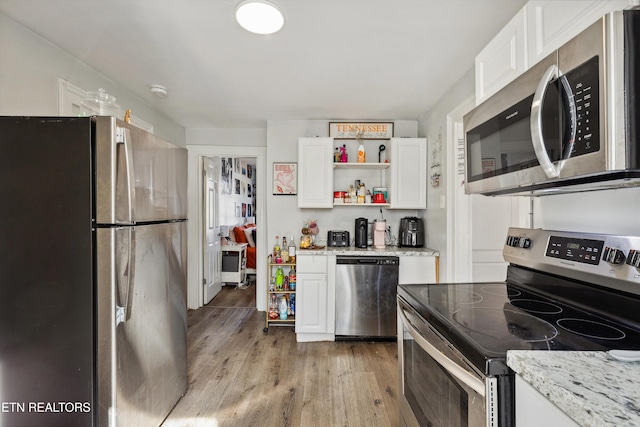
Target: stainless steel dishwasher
{"type": "Point", "coordinates": [366, 289]}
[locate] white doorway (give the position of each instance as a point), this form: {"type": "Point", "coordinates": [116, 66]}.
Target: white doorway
{"type": "Point", "coordinates": [198, 221]}
{"type": "Point", "coordinates": [212, 259]}
{"type": "Point", "coordinates": [476, 225]}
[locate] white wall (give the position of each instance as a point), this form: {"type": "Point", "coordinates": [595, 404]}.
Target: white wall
{"type": "Point", "coordinates": [609, 212]}
{"type": "Point", "coordinates": [230, 137]}
{"type": "Point", "coordinates": [433, 126]}
{"type": "Point", "coordinates": [29, 70]}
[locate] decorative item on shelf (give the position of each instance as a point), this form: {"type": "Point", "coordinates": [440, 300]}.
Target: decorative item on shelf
{"type": "Point", "coordinates": [362, 156]}
{"type": "Point", "coordinates": [368, 130]}
{"type": "Point", "coordinates": [344, 158]}
{"type": "Point", "coordinates": [381, 148]}
{"type": "Point", "coordinates": [127, 116]}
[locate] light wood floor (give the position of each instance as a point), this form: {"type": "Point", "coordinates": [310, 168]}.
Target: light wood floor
{"type": "Point", "coordinates": [241, 376]}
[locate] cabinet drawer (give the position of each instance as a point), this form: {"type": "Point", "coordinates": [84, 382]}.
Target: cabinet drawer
{"type": "Point", "coordinates": [311, 264]}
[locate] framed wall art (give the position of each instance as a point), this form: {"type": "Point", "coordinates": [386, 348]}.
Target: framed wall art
{"type": "Point", "coordinates": [285, 178]}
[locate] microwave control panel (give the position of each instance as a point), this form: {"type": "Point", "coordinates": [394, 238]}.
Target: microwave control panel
{"type": "Point", "coordinates": [584, 87]}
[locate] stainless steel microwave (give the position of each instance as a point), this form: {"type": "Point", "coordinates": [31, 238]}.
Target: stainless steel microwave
{"type": "Point", "coordinates": [569, 123]}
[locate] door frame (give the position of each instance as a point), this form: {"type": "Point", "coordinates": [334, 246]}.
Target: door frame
{"type": "Point", "coordinates": [458, 213]}
{"type": "Point", "coordinates": [195, 263]}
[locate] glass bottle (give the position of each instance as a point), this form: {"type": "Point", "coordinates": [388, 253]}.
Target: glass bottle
{"type": "Point", "coordinates": [284, 250]}
{"type": "Point", "coordinates": [292, 251]}
{"type": "Point", "coordinates": [276, 249]}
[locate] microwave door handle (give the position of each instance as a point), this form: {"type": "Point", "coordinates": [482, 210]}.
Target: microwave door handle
{"type": "Point", "coordinates": [536, 124]}
{"type": "Point", "coordinates": [463, 376]}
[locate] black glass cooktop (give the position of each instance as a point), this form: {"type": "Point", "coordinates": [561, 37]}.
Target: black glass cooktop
{"type": "Point", "coordinates": [485, 320]}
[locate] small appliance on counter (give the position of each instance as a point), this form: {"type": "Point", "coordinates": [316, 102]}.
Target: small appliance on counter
{"type": "Point", "coordinates": [411, 233]}
{"type": "Point", "coordinates": [361, 232]}
{"type": "Point", "coordinates": [379, 231]}
{"type": "Point", "coordinates": [338, 238]}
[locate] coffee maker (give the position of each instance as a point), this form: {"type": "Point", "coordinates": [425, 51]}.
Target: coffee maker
{"type": "Point", "coordinates": [361, 233]}
{"type": "Point", "coordinates": [411, 232]}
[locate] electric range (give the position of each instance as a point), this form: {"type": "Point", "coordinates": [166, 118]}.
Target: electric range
{"type": "Point", "coordinates": [563, 291]}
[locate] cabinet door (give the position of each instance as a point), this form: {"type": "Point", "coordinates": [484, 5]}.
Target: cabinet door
{"type": "Point", "coordinates": [534, 410]}
{"type": "Point", "coordinates": [503, 59]}
{"type": "Point", "coordinates": [311, 300]}
{"type": "Point", "coordinates": [552, 23]}
{"type": "Point", "coordinates": [315, 173]}
{"type": "Point", "coordinates": [408, 170]}
{"type": "Point", "coordinates": [417, 269]}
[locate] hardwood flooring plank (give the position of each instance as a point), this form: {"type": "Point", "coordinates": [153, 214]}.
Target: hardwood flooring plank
{"type": "Point", "coordinates": [240, 376]}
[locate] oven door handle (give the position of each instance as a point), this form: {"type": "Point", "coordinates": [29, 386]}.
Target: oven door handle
{"type": "Point", "coordinates": [465, 377]}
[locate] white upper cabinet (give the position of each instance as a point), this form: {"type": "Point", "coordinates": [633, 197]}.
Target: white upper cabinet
{"type": "Point", "coordinates": [540, 27]}
{"type": "Point", "coordinates": [552, 23]}
{"type": "Point", "coordinates": [408, 173]}
{"type": "Point", "coordinates": [315, 172]}
{"type": "Point", "coordinates": [503, 59]}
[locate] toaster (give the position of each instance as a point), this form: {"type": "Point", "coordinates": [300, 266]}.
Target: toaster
{"type": "Point", "coordinates": [338, 238]}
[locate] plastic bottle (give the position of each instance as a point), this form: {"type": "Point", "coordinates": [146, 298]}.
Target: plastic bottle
{"type": "Point", "coordinates": [292, 304]}
{"type": "Point", "coordinates": [361, 154]}
{"type": "Point", "coordinates": [284, 310]}
{"type": "Point", "coordinates": [279, 279]}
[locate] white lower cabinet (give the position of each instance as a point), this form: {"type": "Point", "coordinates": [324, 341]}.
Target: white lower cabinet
{"type": "Point", "coordinates": [418, 269]}
{"type": "Point", "coordinates": [315, 312]}
{"type": "Point", "coordinates": [535, 410]}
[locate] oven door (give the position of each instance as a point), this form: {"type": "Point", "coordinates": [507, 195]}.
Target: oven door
{"type": "Point", "coordinates": [438, 387]}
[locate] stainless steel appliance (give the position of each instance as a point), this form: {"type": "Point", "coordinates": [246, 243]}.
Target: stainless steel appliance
{"type": "Point", "coordinates": [366, 289]}
{"type": "Point", "coordinates": [93, 273]}
{"type": "Point", "coordinates": [570, 123]}
{"type": "Point", "coordinates": [338, 238]}
{"type": "Point", "coordinates": [361, 233]}
{"type": "Point", "coordinates": [411, 232]}
{"type": "Point", "coordinates": [563, 291]}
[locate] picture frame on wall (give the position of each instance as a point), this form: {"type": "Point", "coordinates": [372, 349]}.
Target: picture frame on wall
{"type": "Point", "coordinates": [285, 179]}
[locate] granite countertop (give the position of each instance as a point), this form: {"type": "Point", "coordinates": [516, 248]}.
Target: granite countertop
{"type": "Point", "coordinates": [591, 387]}
{"type": "Point", "coordinates": [353, 251]}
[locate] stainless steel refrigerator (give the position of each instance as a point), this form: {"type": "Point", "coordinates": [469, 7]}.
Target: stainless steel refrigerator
{"type": "Point", "coordinates": [92, 273]}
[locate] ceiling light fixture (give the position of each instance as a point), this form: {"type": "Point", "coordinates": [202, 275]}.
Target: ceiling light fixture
{"type": "Point", "coordinates": [159, 91]}
{"type": "Point", "coordinates": [259, 17]}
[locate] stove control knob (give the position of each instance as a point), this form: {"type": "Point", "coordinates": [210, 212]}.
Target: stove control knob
{"type": "Point", "coordinates": [613, 256]}
{"type": "Point", "coordinates": [524, 242]}
{"type": "Point", "coordinates": [634, 258]}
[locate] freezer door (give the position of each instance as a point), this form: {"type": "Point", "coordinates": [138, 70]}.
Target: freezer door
{"type": "Point", "coordinates": [142, 364]}
{"type": "Point", "coordinates": [139, 177]}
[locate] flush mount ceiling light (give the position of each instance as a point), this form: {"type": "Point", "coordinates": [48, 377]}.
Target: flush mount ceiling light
{"type": "Point", "coordinates": [159, 91]}
{"type": "Point", "coordinates": [259, 17]}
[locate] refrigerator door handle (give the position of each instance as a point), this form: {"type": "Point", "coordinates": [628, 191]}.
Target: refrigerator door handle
{"type": "Point", "coordinates": [123, 136]}
{"type": "Point", "coordinates": [123, 308]}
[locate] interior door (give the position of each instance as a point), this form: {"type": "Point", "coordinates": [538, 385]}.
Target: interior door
{"type": "Point", "coordinates": [212, 257]}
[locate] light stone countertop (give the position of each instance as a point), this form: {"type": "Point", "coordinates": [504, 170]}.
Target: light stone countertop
{"type": "Point", "coordinates": [353, 251]}
{"type": "Point", "coordinates": [591, 387]}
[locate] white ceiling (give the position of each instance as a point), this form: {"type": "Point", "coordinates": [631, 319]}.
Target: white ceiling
{"type": "Point", "coordinates": [334, 59]}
